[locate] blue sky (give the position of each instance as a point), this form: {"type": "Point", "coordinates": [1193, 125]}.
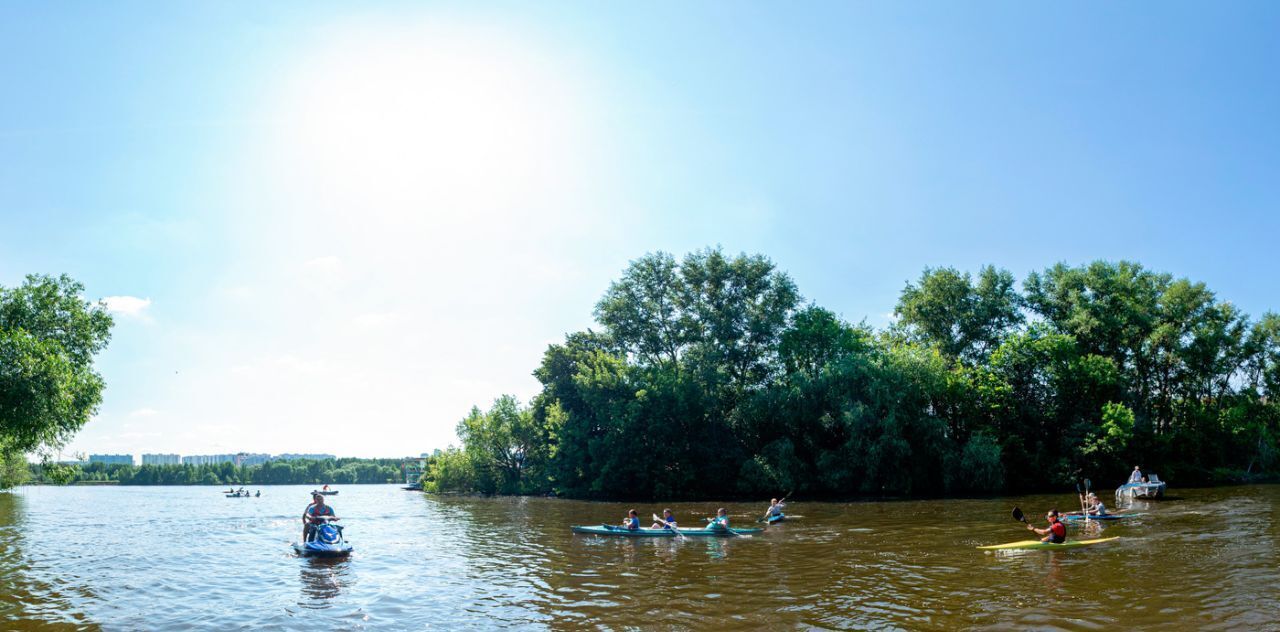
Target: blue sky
{"type": "Point", "coordinates": [335, 227]}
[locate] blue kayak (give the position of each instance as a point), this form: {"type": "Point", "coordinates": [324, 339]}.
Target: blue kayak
{"type": "Point", "coordinates": [777, 518]}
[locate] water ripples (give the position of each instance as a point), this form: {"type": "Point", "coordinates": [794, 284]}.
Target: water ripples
{"type": "Point", "coordinates": [160, 558]}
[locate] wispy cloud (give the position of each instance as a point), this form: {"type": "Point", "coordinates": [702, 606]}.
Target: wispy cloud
{"type": "Point", "coordinates": [144, 412]}
{"type": "Point", "coordinates": [128, 306]}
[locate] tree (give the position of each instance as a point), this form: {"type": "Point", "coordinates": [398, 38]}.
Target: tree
{"type": "Point", "coordinates": [963, 319]}
{"type": "Point", "coordinates": [49, 336]}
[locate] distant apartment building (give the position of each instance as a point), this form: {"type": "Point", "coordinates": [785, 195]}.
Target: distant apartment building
{"type": "Point", "coordinates": [208, 459]}
{"type": "Point", "coordinates": [125, 459]}
{"type": "Point", "coordinates": [161, 459]}
{"type": "Point", "coordinates": [313, 457]}
{"type": "Point", "coordinates": [244, 459]}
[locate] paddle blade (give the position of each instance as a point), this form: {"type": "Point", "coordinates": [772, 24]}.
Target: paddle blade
{"type": "Point", "coordinates": [1087, 484]}
{"type": "Point", "coordinates": [1077, 488]}
{"type": "Point", "coordinates": [1017, 515]}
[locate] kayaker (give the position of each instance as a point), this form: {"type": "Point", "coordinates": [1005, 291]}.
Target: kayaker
{"type": "Point", "coordinates": [632, 521]}
{"type": "Point", "coordinates": [775, 509]}
{"type": "Point", "coordinates": [1094, 506]}
{"type": "Point", "coordinates": [668, 518]}
{"type": "Point", "coordinates": [1136, 476]}
{"type": "Point", "coordinates": [721, 521]}
{"type": "Point", "coordinates": [1056, 533]}
{"type": "Point", "coordinates": [314, 514]}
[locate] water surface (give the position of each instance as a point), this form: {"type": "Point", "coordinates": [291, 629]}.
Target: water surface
{"type": "Point", "coordinates": [131, 558]}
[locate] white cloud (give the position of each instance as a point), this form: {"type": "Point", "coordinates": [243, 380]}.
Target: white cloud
{"type": "Point", "coordinates": [329, 263]}
{"type": "Point", "coordinates": [128, 306]}
{"type": "Point", "coordinates": [144, 412]}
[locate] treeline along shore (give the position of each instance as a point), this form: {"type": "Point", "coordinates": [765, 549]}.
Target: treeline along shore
{"type": "Point", "coordinates": [711, 376]}
{"type": "Point", "coordinates": [293, 472]}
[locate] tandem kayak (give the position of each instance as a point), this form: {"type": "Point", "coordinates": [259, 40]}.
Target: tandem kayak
{"type": "Point", "coordinates": [608, 529]}
{"type": "Point", "coordinates": [1036, 544]}
{"type": "Point", "coordinates": [1080, 518]}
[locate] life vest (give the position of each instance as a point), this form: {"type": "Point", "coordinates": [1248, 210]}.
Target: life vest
{"type": "Point", "coordinates": [1058, 531]}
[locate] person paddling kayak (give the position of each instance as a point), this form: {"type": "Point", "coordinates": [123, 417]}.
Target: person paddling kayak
{"type": "Point", "coordinates": [1094, 506]}
{"type": "Point", "coordinates": [1056, 533]}
{"type": "Point", "coordinates": [775, 509]}
{"type": "Point", "coordinates": [632, 521]}
{"type": "Point", "coordinates": [721, 521]}
{"type": "Point", "coordinates": [668, 521]}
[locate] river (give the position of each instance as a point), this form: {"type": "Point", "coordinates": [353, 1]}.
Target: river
{"type": "Point", "coordinates": [159, 558]}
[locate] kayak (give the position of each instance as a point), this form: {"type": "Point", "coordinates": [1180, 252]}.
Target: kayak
{"type": "Point", "coordinates": [1080, 518]}
{"type": "Point", "coordinates": [608, 529]}
{"type": "Point", "coordinates": [777, 518]}
{"type": "Point", "coordinates": [1036, 544]}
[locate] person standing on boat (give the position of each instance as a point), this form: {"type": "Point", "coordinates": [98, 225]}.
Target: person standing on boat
{"type": "Point", "coordinates": [668, 520]}
{"type": "Point", "coordinates": [775, 509]}
{"type": "Point", "coordinates": [632, 521]}
{"type": "Point", "coordinates": [315, 513]}
{"type": "Point", "coordinates": [1136, 476]}
{"type": "Point", "coordinates": [1056, 533]}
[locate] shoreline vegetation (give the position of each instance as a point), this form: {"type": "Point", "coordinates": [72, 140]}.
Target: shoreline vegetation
{"type": "Point", "coordinates": [346, 471]}
{"type": "Point", "coordinates": [711, 377]}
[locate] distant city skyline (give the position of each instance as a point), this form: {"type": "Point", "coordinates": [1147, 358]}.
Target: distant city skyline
{"type": "Point", "coordinates": [335, 227]}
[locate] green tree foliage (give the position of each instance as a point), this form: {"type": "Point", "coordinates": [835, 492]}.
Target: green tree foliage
{"type": "Point", "coordinates": [49, 335]}
{"type": "Point", "coordinates": [710, 378]}
{"type": "Point", "coordinates": [293, 472]}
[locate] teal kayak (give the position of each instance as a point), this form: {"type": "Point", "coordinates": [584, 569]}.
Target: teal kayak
{"type": "Point", "coordinates": [1036, 544]}
{"type": "Point", "coordinates": [777, 518]}
{"type": "Point", "coordinates": [608, 529]}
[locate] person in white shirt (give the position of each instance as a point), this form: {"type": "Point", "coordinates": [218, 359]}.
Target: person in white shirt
{"type": "Point", "coordinates": [1136, 476]}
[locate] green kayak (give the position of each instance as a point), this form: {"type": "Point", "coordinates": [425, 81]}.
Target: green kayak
{"type": "Point", "coordinates": [608, 529]}
{"type": "Point", "coordinates": [1036, 544]}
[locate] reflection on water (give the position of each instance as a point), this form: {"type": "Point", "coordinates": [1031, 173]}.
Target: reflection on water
{"type": "Point", "coordinates": [132, 558]}
{"type": "Point", "coordinates": [321, 579]}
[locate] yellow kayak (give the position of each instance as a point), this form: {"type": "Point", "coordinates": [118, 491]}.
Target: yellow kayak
{"type": "Point", "coordinates": [1036, 544]}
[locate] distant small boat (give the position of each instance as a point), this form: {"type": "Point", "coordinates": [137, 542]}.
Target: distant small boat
{"type": "Point", "coordinates": [1154, 488]}
{"type": "Point", "coordinates": [325, 493]}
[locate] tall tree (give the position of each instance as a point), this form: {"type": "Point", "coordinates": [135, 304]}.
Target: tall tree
{"type": "Point", "coordinates": [49, 336]}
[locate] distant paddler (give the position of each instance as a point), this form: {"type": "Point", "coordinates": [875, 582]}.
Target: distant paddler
{"type": "Point", "coordinates": [721, 521]}
{"type": "Point", "coordinates": [1056, 533]}
{"type": "Point", "coordinates": [775, 509]}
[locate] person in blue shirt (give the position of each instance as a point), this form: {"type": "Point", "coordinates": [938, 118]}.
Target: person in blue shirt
{"type": "Point", "coordinates": [315, 513]}
{"type": "Point", "coordinates": [632, 521]}
{"type": "Point", "coordinates": [668, 521]}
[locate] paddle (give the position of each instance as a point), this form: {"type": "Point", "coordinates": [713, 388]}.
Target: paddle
{"type": "Point", "coordinates": [1017, 515]}
{"type": "Point", "coordinates": [1083, 510]}
{"type": "Point", "coordinates": [668, 525]}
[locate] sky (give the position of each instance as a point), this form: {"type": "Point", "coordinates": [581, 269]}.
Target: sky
{"type": "Point", "coordinates": [335, 227]}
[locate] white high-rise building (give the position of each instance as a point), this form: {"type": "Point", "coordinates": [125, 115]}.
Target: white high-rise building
{"type": "Point", "coordinates": [161, 459]}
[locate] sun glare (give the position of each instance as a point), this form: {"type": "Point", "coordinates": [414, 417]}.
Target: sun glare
{"type": "Point", "coordinates": [426, 123]}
